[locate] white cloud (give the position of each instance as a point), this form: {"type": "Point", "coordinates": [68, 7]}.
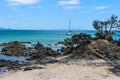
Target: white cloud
{"type": "Point", "coordinates": [68, 2]}
{"type": "Point", "coordinates": [100, 7]}
{"type": "Point", "coordinates": [18, 2]}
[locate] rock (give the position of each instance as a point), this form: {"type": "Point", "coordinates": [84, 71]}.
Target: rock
{"type": "Point", "coordinates": [103, 48]}
{"type": "Point", "coordinates": [116, 70]}
{"type": "Point", "coordinates": [16, 49]}
{"type": "Point", "coordinates": [19, 49]}
{"type": "Point", "coordinates": [14, 65]}
{"type": "Point", "coordinates": [40, 48]}
{"type": "Point", "coordinates": [45, 51]}
{"type": "Point", "coordinates": [32, 67]}
{"type": "Point", "coordinates": [51, 52]}
{"type": "Point", "coordinates": [27, 69]}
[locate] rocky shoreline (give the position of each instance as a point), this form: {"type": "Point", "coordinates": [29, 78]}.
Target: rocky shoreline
{"type": "Point", "coordinates": [34, 54]}
{"type": "Point", "coordinates": [38, 54]}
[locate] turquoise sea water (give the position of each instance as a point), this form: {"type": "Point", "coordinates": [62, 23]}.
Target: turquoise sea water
{"type": "Point", "coordinates": [43, 36]}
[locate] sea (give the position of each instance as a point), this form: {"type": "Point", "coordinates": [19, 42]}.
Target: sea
{"type": "Point", "coordinates": [46, 37]}
{"type": "Point", "coordinates": [43, 36]}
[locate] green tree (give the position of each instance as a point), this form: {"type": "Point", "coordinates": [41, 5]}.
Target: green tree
{"type": "Point", "coordinates": [105, 29]}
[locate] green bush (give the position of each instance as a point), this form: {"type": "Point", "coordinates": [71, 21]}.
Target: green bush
{"type": "Point", "coordinates": [103, 35]}
{"type": "Point", "coordinates": [82, 38]}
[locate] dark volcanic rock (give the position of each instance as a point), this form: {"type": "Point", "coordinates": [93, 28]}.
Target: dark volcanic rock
{"type": "Point", "coordinates": [51, 52]}
{"type": "Point", "coordinates": [38, 54]}
{"type": "Point", "coordinates": [19, 49]}
{"type": "Point", "coordinates": [11, 65]}
{"type": "Point", "coordinates": [15, 48]}
{"type": "Point", "coordinates": [41, 53]}
{"type": "Point", "coordinates": [41, 50]}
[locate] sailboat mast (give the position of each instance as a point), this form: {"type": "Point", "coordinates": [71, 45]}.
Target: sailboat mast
{"type": "Point", "coordinates": [69, 24]}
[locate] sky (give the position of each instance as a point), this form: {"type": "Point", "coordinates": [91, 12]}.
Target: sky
{"type": "Point", "coordinates": [55, 14]}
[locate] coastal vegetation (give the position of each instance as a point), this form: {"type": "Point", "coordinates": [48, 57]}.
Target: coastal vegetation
{"type": "Point", "coordinates": [106, 29]}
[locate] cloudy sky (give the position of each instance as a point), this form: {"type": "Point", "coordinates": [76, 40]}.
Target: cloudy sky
{"type": "Point", "coordinates": [55, 14]}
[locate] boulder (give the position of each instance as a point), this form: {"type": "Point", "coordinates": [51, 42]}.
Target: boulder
{"type": "Point", "coordinates": [14, 49]}
{"type": "Point", "coordinates": [103, 48]}
{"type": "Point", "coordinates": [40, 48]}
{"type": "Point", "coordinates": [45, 50]}
{"type": "Point", "coordinates": [14, 65]}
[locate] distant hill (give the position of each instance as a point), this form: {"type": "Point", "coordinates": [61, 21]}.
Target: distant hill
{"type": "Point", "coordinates": [1, 28]}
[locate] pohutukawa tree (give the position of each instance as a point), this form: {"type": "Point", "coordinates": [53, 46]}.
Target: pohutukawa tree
{"type": "Point", "coordinates": [105, 29]}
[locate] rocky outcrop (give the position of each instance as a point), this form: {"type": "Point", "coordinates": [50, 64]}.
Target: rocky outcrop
{"type": "Point", "coordinates": [15, 48]}
{"type": "Point", "coordinates": [20, 49]}
{"type": "Point", "coordinates": [37, 54]}
{"type": "Point", "coordinates": [42, 52]}
{"type": "Point", "coordinates": [45, 50]}
{"type": "Point", "coordinates": [110, 52]}
{"type": "Point", "coordinates": [104, 49]}
{"type": "Point", "coordinates": [14, 65]}
{"type": "Point", "coordinates": [80, 52]}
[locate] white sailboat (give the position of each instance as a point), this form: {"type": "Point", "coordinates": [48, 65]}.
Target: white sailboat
{"type": "Point", "coordinates": [69, 31]}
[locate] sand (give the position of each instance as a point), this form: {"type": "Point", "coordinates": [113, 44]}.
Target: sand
{"type": "Point", "coordinates": [73, 70]}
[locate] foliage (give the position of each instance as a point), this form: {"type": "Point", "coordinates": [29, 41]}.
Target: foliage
{"type": "Point", "coordinates": [77, 44]}
{"type": "Point", "coordinates": [105, 29]}
{"type": "Point", "coordinates": [80, 39]}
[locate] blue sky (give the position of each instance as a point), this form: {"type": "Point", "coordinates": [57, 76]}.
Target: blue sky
{"type": "Point", "coordinates": [55, 14]}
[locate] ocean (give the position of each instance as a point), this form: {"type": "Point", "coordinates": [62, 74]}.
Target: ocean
{"type": "Point", "coordinates": [43, 36]}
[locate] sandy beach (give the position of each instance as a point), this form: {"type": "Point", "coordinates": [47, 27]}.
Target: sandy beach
{"type": "Point", "coordinates": [73, 70]}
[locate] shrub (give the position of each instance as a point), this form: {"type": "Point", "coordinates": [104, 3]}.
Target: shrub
{"type": "Point", "coordinates": [81, 39]}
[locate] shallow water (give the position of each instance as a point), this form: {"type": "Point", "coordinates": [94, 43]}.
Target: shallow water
{"type": "Point", "coordinates": [13, 58]}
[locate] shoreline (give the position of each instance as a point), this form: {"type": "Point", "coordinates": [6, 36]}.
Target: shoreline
{"type": "Point", "coordinates": [83, 57]}
{"type": "Point", "coordinates": [73, 70]}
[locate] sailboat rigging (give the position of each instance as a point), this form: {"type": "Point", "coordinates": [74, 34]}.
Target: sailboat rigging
{"type": "Point", "coordinates": [69, 31]}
